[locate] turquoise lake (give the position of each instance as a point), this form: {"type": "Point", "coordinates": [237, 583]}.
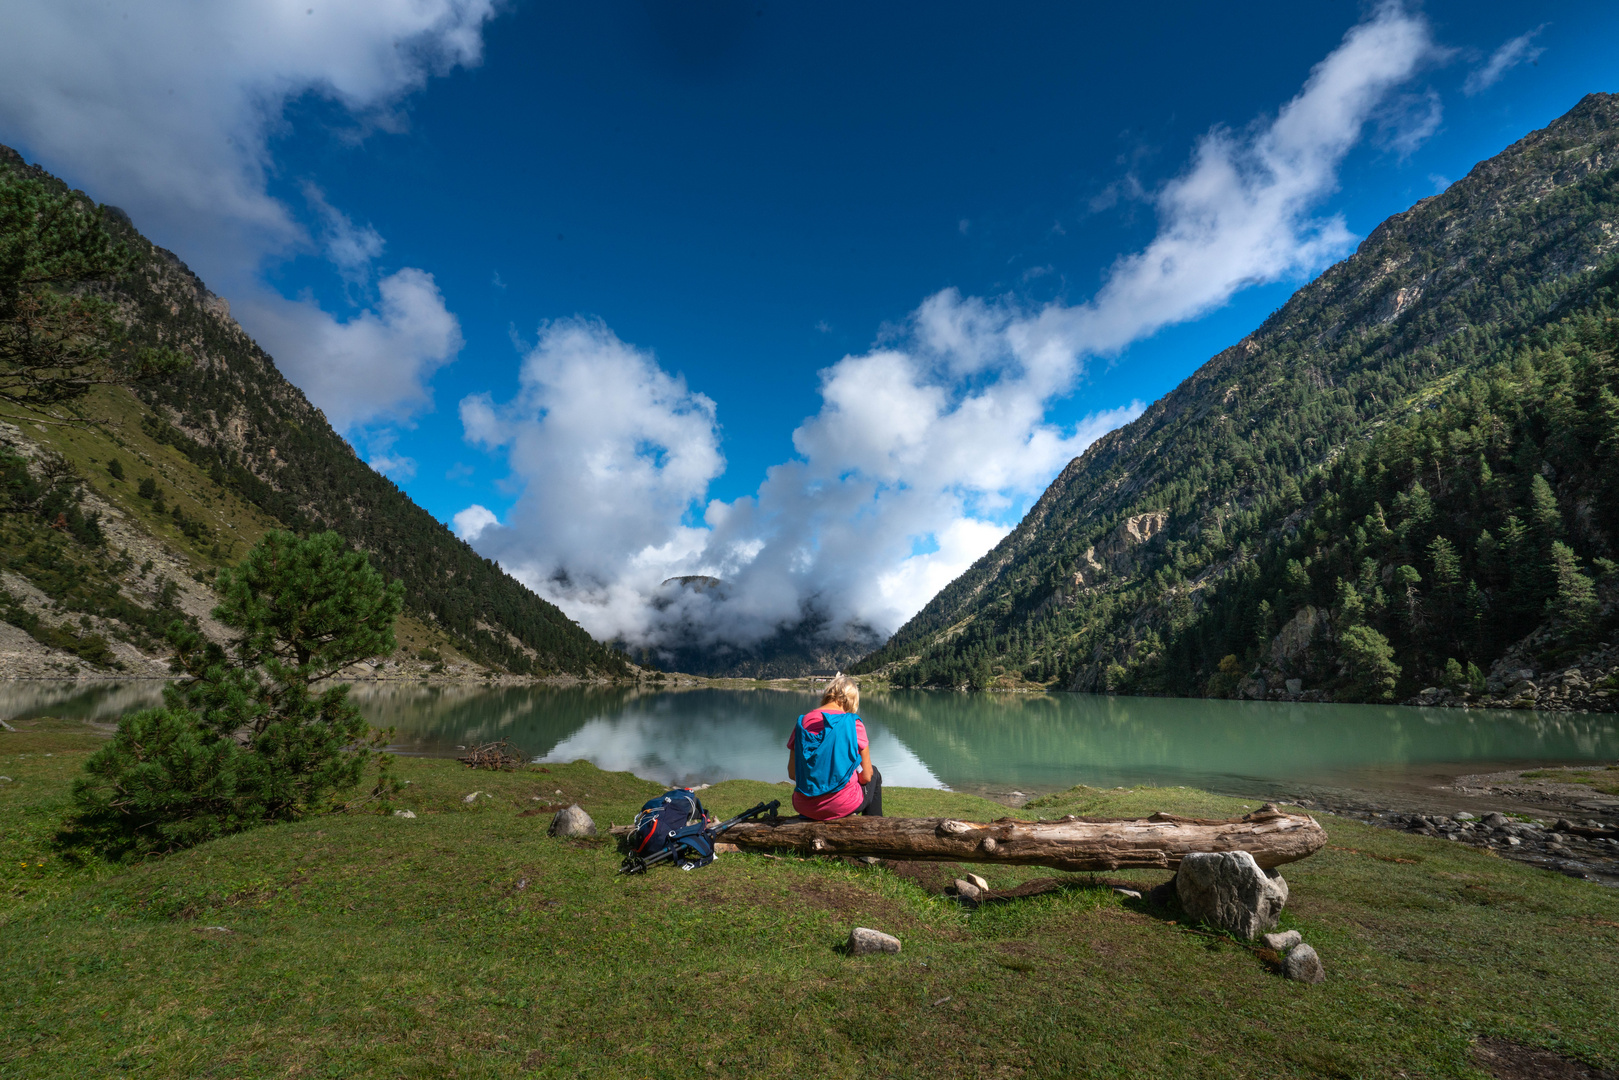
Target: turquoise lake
{"type": "Point", "coordinates": [987, 743]}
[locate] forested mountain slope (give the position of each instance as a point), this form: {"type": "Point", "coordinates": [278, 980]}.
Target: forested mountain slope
{"type": "Point", "coordinates": [213, 455]}
{"type": "Point", "coordinates": [1409, 468]}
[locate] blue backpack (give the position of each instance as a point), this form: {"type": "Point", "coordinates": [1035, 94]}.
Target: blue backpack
{"type": "Point", "coordinates": [823, 762]}
{"type": "Point", "coordinates": [674, 820]}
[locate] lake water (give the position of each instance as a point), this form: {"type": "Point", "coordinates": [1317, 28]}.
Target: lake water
{"type": "Point", "coordinates": [986, 743]}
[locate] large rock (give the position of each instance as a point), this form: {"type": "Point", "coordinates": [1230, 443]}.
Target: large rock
{"type": "Point", "coordinates": [1227, 889]}
{"type": "Point", "coordinates": [572, 821]}
{"type": "Point", "coordinates": [1303, 964]}
{"type": "Point", "coordinates": [864, 942]}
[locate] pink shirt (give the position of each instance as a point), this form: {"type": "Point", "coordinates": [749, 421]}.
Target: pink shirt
{"type": "Point", "coordinates": [834, 804]}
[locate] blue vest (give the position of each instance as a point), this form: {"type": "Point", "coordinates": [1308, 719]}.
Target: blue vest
{"type": "Point", "coordinates": [822, 763]}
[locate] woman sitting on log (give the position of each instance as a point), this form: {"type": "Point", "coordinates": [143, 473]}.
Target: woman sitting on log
{"type": "Point", "coordinates": [829, 758]}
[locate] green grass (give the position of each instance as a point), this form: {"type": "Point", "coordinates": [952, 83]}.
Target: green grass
{"type": "Point", "coordinates": [467, 943]}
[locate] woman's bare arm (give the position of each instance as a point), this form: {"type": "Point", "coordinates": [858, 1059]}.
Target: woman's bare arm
{"type": "Point", "coordinates": [865, 764]}
{"type": "Point", "coordinates": [792, 768]}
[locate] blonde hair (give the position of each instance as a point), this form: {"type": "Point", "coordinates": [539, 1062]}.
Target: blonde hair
{"type": "Point", "coordinates": [843, 692]}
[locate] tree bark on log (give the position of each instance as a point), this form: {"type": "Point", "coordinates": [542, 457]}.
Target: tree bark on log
{"type": "Point", "coordinates": [1072, 843]}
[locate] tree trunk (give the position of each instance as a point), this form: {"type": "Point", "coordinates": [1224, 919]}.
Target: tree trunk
{"type": "Point", "coordinates": [1072, 843]}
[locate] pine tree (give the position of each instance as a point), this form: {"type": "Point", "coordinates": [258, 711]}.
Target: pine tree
{"type": "Point", "coordinates": [246, 739]}
{"type": "Point", "coordinates": [1370, 661]}
{"type": "Point", "coordinates": [1575, 602]}
{"type": "Point", "coordinates": [56, 339]}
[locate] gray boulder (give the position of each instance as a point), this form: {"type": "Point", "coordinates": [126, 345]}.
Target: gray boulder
{"type": "Point", "coordinates": [572, 821]}
{"type": "Point", "coordinates": [1304, 965]}
{"type": "Point", "coordinates": [864, 942]}
{"type": "Point", "coordinates": [970, 893]}
{"type": "Point", "coordinates": [1227, 889]}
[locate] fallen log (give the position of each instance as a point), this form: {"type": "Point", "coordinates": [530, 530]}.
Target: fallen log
{"type": "Point", "coordinates": [1271, 836]}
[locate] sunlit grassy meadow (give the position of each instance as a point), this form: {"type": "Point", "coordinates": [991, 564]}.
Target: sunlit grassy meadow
{"type": "Point", "coordinates": [465, 942]}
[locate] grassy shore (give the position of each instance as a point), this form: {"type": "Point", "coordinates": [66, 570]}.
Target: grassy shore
{"type": "Point", "coordinates": [464, 942]}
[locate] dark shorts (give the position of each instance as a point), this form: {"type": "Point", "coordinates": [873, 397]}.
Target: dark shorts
{"type": "Point", "coordinates": [872, 804]}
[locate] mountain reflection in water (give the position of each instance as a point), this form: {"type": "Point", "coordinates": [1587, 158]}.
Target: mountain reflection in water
{"type": "Point", "coordinates": [975, 742]}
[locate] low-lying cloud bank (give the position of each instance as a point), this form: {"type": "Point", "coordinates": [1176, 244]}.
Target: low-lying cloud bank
{"type": "Point", "coordinates": [920, 449]}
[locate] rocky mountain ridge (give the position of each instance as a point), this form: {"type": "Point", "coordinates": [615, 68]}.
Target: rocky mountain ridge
{"type": "Point", "coordinates": [184, 473]}
{"type": "Point", "coordinates": [1112, 579]}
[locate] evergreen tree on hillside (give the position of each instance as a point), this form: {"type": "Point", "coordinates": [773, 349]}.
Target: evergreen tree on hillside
{"type": "Point", "coordinates": [58, 337]}
{"type": "Point", "coordinates": [245, 738]}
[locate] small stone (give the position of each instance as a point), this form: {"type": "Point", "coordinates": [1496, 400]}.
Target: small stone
{"type": "Point", "coordinates": [572, 821]}
{"type": "Point", "coordinates": [1283, 941]}
{"type": "Point", "coordinates": [1128, 894]}
{"type": "Point", "coordinates": [1494, 820]}
{"type": "Point", "coordinates": [970, 894]}
{"type": "Point", "coordinates": [472, 798]}
{"type": "Point", "coordinates": [404, 813]}
{"type": "Point", "coordinates": [1559, 849]}
{"type": "Point", "coordinates": [983, 886]}
{"type": "Point", "coordinates": [1465, 816]}
{"type": "Point", "coordinates": [1513, 841]}
{"type": "Point", "coordinates": [1294, 686]}
{"type": "Point", "coordinates": [6, 780]}
{"type": "Point", "coordinates": [1304, 965]}
{"type": "Point", "coordinates": [864, 942]}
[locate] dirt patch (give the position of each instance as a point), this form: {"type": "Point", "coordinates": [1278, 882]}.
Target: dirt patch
{"type": "Point", "coordinates": [535, 811]}
{"type": "Point", "coordinates": [844, 900]}
{"type": "Point", "coordinates": [1510, 1061]}
{"type": "Point", "coordinates": [932, 877]}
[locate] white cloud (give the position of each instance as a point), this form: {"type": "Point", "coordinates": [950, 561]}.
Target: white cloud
{"type": "Point", "coordinates": [471, 522]}
{"type": "Point", "coordinates": [923, 448]}
{"type": "Point", "coordinates": [349, 247]}
{"type": "Point", "coordinates": [614, 451]}
{"type": "Point", "coordinates": [1409, 121]}
{"type": "Point", "coordinates": [1241, 215]}
{"type": "Point", "coordinates": [381, 457]}
{"type": "Point", "coordinates": [165, 108]}
{"type": "Point", "coordinates": [373, 367]}
{"type": "Point", "coordinates": [1519, 50]}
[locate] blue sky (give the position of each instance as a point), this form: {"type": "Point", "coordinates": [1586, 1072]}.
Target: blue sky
{"type": "Point", "coordinates": [397, 198]}
{"type": "Point", "coordinates": [724, 186]}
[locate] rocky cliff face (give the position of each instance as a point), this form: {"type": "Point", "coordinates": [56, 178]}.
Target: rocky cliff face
{"type": "Point", "coordinates": [1110, 580]}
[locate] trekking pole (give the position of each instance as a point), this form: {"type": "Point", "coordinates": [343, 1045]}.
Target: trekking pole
{"type": "Point", "coordinates": [636, 864]}
{"type": "Point", "coordinates": [763, 808]}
